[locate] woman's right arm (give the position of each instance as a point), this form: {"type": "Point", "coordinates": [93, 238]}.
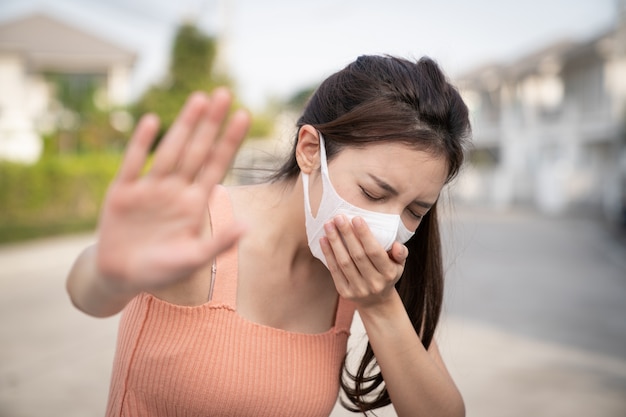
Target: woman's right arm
{"type": "Point", "coordinates": [153, 230]}
{"type": "Point", "coordinates": [92, 293]}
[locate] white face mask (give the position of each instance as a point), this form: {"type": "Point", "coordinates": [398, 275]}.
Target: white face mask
{"type": "Point", "coordinates": [386, 228]}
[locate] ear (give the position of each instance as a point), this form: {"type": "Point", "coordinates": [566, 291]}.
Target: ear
{"type": "Point", "coordinates": [308, 149]}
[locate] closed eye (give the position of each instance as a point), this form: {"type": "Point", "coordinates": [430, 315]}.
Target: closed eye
{"type": "Point", "coordinates": [415, 215]}
{"type": "Point", "coordinates": [371, 196]}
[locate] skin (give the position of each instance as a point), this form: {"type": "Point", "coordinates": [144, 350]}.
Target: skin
{"type": "Point", "coordinates": [154, 235]}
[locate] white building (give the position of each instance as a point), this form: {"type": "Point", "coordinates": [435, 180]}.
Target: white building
{"type": "Point", "coordinates": [39, 43]}
{"type": "Point", "coordinates": [549, 129]}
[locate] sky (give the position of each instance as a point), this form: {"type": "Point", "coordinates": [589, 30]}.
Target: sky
{"type": "Point", "coordinates": [276, 47]}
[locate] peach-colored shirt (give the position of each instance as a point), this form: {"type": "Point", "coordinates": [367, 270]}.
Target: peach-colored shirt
{"type": "Point", "coordinates": [209, 361]}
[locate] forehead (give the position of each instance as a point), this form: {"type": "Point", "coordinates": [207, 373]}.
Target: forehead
{"type": "Point", "coordinates": [395, 162]}
{"type": "Point", "coordinates": [395, 156]}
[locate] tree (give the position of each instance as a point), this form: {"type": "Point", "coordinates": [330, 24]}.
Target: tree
{"type": "Point", "coordinates": [299, 99]}
{"type": "Point", "coordinates": [191, 69]}
{"type": "Point", "coordinates": [81, 121]}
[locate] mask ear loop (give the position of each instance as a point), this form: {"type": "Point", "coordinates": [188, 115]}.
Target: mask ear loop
{"type": "Point", "coordinates": [305, 177]}
{"type": "Point", "coordinates": [305, 184]}
{"type": "Point", "coordinates": [323, 160]}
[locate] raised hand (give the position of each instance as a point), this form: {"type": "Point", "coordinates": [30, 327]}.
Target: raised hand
{"type": "Point", "coordinates": [153, 226]}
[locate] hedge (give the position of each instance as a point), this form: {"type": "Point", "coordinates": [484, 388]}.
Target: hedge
{"type": "Point", "coordinates": [59, 194]}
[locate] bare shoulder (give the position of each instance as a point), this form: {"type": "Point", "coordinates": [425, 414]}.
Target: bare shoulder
{"type": "Point", "coordinates": [247, 193]}
{"type": "Point", "coordinates": [195, 290]}
{"type": "Point", "coordinates": [248, 200]}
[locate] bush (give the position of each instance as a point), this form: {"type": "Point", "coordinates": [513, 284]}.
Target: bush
{"type": "Point", "coordinates": [59, 194]}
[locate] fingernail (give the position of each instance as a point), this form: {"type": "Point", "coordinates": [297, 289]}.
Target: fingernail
{"type": "Point", "coordinates": [340, 220]}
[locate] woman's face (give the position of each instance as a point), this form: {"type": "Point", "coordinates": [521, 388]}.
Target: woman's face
{"type": "Point", "coordinates": [389, 178]}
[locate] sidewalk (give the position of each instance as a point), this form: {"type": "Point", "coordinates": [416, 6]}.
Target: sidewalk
{"type": "Point", "coordinates": [54, 361]}
{"type": "Point", "coordinates": [503, 375]}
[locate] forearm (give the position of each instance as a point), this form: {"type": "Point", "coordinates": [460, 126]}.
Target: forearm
{"type": "Point", "coordinates": [417, 384]}
{"type": "Point", "coordinates": [90, 292]}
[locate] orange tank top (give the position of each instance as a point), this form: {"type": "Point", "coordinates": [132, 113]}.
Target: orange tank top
{"type": "Point", "coordinates": [207, 360]}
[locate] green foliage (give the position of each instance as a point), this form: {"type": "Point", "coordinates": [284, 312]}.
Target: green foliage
{"type": "Point", "coordinates": [94, 134]}
{"type": "Point", "coordinates": [298, 100]}
{"type": "Point", "coordinates": [193, 57]}
{"type": "Point", "coordinates": [59, 194]}
{"type": "Point", "coordinates": [191, 69]}
{"type": "Point", "coordinates": [262, 125]}
{"type": "Point", "coordinates": [81, 115]}
{"type": "Point", "coordinates": [76, 91]}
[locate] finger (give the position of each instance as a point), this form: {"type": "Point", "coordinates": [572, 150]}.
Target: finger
{"type": "Point", "coordinates": [343, 257]}
{"type": "Point", "coordinates": [357, 251]}
{"type": "Point", "coordinates": [204, 136]}
{"type": "Point", "coordinates": [374, 251]}
{"type": "Point", "coordinates": [219, 159]}
{"type": "Point", "coordinates": [341, 282]}
{"type": "Point", "coordinates": [213, 245]}
{"type": "Point", "coordinates": [399, 253]}
{"type": "Point", "coordinates": [173, 143]}
{"type": "Point", "coordinates": [138, 148]}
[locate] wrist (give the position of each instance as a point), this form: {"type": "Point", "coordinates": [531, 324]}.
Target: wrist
{"type": "Point", "coordinates": [110, 284]}
{"type": "Point", "coordinates": [386, 308]}
{"type": "Point", "coordinates": [91, 292]}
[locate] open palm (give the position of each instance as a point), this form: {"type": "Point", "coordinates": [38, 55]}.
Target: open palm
{"type": "Point", "coordinates": [153, 226]}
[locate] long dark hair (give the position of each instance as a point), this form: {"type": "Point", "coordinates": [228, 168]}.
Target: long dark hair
{"type": "Point", "coordinates": [384, 98]}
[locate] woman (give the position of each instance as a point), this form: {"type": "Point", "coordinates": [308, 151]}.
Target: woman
{"type": "Point", "coordinates": [244, 307]}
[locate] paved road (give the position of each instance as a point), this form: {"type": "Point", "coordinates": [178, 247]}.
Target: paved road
{"type": "Point", "coordinates": [534, 325]}
{"type": "Point", "coordinates": [537, 308]}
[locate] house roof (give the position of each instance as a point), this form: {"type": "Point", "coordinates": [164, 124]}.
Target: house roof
{"type": "Point", "coordinates": [550, 58]}
{"type": "Point", "coordinates": [46, 42]}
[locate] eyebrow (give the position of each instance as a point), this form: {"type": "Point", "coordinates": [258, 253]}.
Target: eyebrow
{"type": "Point", "coordinates": [385, 186]}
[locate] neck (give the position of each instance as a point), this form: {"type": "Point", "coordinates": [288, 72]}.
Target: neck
{"type": "Point", "coordinates": [277, 212]}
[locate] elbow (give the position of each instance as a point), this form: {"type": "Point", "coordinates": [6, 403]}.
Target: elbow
{"type": "Point", "coordinates": [85, 292]}
{"type": "Point", "coordinates": [460, 410]}
{"type": "Point", "coordinates": [75, 302]}
{"type": "Point", "coordinates": [457, 406]}
{"type": "Point", "coordinates": [79, 304]}
{"type": "Point", "coordinates": [452, 406]}
{"type": "Point", "coordinates": [69, 289]}
{"type": "Point", "coordinates": [447, 405]}
{"type": "Point", "coordinates": [99, 314]}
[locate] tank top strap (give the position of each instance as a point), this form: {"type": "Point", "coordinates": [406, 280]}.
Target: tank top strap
{"type": "Point", "coordinates": [226, 271]}
{"type": "Point", "coordinates": [345, 314]}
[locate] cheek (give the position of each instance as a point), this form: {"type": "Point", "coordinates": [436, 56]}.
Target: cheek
{"type": "Point", "coordinates": [410, 222]}
{"type": "Point", "coordinates": [348, 193]}
{"type": "Point", "coordinates": [353, 195]}
{"type": "Point", "coordinates": [347, 188]}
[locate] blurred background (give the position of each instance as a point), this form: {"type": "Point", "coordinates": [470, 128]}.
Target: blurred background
{"type": "Point", "coordinates": [534, 228]}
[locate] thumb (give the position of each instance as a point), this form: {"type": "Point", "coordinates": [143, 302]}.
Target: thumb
{"type": "Point", "coordinates": [224, 240]}
{"type": "Point", "coordinates": [399, 252]}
